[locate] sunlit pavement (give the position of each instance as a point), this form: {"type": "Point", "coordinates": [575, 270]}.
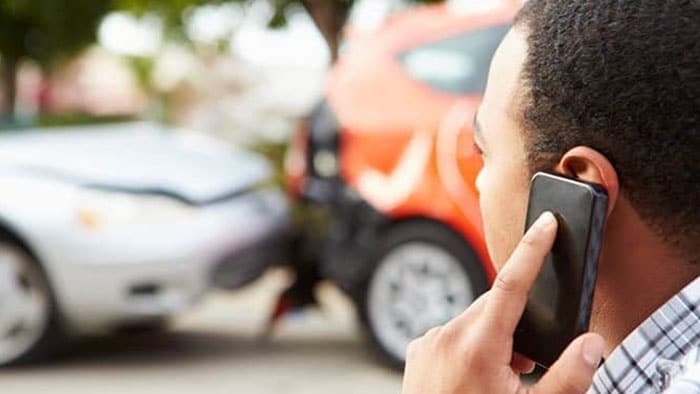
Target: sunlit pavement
{"type": "Point", "coordinates": [217, 349]}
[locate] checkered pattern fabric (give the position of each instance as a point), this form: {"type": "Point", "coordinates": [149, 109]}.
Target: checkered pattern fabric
{"type": "Point", "coordinates": [661, 355]}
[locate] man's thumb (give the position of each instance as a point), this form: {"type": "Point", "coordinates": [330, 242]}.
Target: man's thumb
{"type": "Point", "coordinates": [573, 372]}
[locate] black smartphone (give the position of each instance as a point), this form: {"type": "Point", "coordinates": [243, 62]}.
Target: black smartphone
{"type": "Point", "coordinates": [559, 304]}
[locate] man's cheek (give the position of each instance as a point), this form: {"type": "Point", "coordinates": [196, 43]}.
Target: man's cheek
{"type": "Point", "coordinates": [503, 230]}
{"type": "Point", "coordinates": [493, 232]}
{"type": "Point", "coordinates": [491, 210]}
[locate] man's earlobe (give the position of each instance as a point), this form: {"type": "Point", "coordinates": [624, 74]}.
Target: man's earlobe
{"type": "Point", "coordinates": [589, 165]}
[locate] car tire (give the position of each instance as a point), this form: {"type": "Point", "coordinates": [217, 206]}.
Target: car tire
{"type": "Point", "coordinates": [422, 275]}
{"type": "Point", "coordinates": [29, 321]}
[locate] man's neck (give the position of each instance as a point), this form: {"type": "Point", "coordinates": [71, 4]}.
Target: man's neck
{"type": "Point", "coordinates": [638, 273]}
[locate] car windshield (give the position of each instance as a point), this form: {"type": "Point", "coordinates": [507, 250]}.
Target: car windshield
{"type": "Point", "coordinates": [458, 64]}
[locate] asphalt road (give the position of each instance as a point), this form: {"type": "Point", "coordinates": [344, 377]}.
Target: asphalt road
{"type": "Point", "coordinates": [217, 348]}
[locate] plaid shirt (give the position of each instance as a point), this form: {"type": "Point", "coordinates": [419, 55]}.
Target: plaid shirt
{"type": "Point", "coordinates": [661, 355]}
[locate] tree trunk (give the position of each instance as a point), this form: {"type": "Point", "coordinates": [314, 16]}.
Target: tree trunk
{"type": "Point", "coordinates": [9, 83]}
{"type": "Point", "coordinates": [330, 17]}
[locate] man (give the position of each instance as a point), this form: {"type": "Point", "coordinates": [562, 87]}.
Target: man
{"type": "Point", "coordinates": [606, 91]}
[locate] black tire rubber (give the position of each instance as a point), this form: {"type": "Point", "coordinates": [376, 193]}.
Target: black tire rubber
{"type": "Point", "coordinates": [417, 231]}
{"type": "Point", "coordinates": [52, 336]}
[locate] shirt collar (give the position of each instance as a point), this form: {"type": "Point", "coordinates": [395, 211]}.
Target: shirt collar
{"type": "Point", "coordinates": [668, 334]}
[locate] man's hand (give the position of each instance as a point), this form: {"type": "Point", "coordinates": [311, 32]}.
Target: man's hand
{"type": "Point", "coordinates": [474, 352]}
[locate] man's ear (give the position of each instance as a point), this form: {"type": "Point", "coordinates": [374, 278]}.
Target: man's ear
{"type": "Point", "coordinates": [589, 165]}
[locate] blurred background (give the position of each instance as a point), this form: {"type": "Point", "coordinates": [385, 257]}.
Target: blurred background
{"type": "Point", "coordinates": [248, 196]}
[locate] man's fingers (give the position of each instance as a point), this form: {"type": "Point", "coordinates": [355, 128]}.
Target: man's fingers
{"type": "Point", "coordinates": [508, 296]}
{"type": "Point", "coordinates": [573, 372]}
{"type": "Point", "coordinates": [522, 364]}
{"type": "Point", "coordinates": [467, 316]}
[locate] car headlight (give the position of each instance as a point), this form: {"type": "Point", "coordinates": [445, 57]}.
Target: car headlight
{"type": "Point", "coordinates": [324, 142]}
{"type": "Point", "coordinates": [325, 163]}
{"type": "Point", "coordinates": [98, 209]}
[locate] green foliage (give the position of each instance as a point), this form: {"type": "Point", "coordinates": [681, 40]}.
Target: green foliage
{"type": "Point", "coordinates": [329, 15]}
{"type": "Point", "coordinates": [279, 18]}
{"type": "Point", "coordinates": [313, 219]}
{"type": "Point", "coordinates": [274, 152]}
{"type": "Point", "coordinates": [45, 30]}
{"type": "Point", "coordinates": [77, 119]}
{"type": "Point", "coordinates": [142, 68]}
{"type": "Point", "coordinates": [171, 12]}
{"type": "Point", "coordinates": [50, 30]}
{"type": "Point", "coordinates": [344, 6]}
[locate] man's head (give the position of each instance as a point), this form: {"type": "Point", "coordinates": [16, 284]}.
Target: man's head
{"type": "Point", "coordinates": [607, 91]}
{"type": "Point", "coordinates": [620, 77]}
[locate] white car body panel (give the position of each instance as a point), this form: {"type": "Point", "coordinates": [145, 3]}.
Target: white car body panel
{"type": "Point", "coordinates": [138, 155]}
{"type": "Point", "coordinates": [172, 209]}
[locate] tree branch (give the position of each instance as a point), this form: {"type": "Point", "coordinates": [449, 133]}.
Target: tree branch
{"type": "Point", "coordinates": [330, 17]}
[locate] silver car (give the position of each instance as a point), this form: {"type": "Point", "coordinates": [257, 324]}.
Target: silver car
{"type": "Point", "coordinates": [124, 225]}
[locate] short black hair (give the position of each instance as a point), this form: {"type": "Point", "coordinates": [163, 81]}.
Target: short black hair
{"type": "Point", "coordinates": [622, 77]}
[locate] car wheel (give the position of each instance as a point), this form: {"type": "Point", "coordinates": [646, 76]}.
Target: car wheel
{"type": "Point", "coordinates": [28, 325]}
{"type": "Point", "coordinates": [424, 275]}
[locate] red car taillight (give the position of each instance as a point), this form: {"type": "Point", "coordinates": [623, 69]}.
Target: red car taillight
{"type": "Point", "coordinates": [295, 161]}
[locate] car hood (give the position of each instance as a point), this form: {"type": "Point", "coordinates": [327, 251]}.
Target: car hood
{"type": "Point", "coordinates": [135, 157]}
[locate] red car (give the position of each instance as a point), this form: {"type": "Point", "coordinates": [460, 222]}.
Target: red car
{"type": "Point", "coordinates": [390, 153]}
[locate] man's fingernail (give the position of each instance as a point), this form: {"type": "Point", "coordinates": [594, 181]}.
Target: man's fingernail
{"type": "Point", "coordinates": [545, 221]}
{"type": "Point", "coordinates": [593, 350]}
